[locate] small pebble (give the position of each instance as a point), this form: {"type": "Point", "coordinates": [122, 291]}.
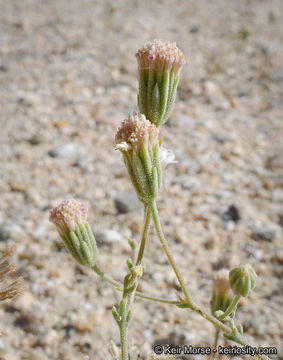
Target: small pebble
{"type": "Point", "coordinates": [231, 214]}
{"type": "Point", "coordinates": [5, 232]}
{"type": "Point", "coordinates": [191, 183]}
{"type": "Point", "coordinates": [108, 236]}
{"type": "Point", "coordinates": [66, 151]}
{"type": "Point", "coordinates": [126, 202]}
{"type": "Point", "coordinates": [264, 232]}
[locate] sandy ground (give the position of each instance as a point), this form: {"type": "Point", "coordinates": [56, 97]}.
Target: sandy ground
{"type": "Point", "coordinates": [67, 79]}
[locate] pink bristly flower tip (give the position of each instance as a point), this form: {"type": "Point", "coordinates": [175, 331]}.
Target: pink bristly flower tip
{"type": "Point", "coordinates": [68, 215]}
{"type": "Point", "coordinates": [137, 139]}
{"type": "Point", "coordinates": [160, 55]}
{"type": "Point", "coordinates": [135, 131]}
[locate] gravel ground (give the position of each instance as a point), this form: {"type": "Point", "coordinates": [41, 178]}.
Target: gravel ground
{"type": "Point", "coordinates": [67, 79]}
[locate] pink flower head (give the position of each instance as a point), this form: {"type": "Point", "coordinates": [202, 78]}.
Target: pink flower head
{"type": "Point", "coordinates": [160, 55]}
{"type": "Point", "coordinates": [68, 215]}
{"type": "Point", "coordinates": [135, 132]}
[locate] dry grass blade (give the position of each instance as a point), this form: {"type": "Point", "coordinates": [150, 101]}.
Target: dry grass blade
{"type": "Point", "coordinates": [10, 288]}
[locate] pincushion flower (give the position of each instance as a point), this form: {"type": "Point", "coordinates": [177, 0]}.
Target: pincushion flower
{"type": "Point", "coordinates": [70, 219]}
{"type": "Point", "coordinates": [159, 66]}
{"type": "Point", "coordinates": [137, 139]}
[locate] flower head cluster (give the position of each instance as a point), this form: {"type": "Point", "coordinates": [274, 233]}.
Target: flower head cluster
{"type": "Point", "coordinates": [159, 65]}
{"type": "Point", "coordinates": [67, 215]}
{"type": "Point", "coordinates": [70, 219]}
{"type": "Point", "coordinates": [137, 139]}
{"type": "Point", "coordinates": [135, 132]}
{"type": "Point", "coordinates": [243, 279]}
{"type": "Point", "coordinates": [160, 55]}
{"type": "Point", "coordinates": [221, 284]}
{"type": "Point", "coordinates": [222, 294]}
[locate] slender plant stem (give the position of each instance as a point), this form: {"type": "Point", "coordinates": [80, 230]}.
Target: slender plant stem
{"type": "Point", "coordinates": [231, 308]}
{"type": "Point", "coordinates": [165, 246]}
{"type": "Point", "coordinates": [211, 319]}
{"type": "Point", "coordinates": [124, 341]}
{"type": "Point", "coordinates": [131, 296]}
{"type": "Point", "coordinates": [156, 299]}
{"type": "Point", "coordinates": [107, 278]}
{"type": "Point", "coordinates": [145, 232]}
{"type": "Point", "coordinates": [144, 235]}
{"type": "Point", "coordinates": [217, 332]}
{"type": "Point", "coordinates": [190, 304]}
{"type": "Point", "coordinates": [119, 287]}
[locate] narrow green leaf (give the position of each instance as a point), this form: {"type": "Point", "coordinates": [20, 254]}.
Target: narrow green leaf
{"type": "Point", "coordinates": [122, 309]}
{"type": "Point", "coordinates": [129, 317]}
{"type": "Point", "coordinates": [147, 163]}
{"type": "Point", "coordinates": [172, 98]}
{"type": "Point", "coordinates": [75, 240]}
{"type": "Point", "coordinates": [131, 173]}
{"type": "Point", "coordinates": [129, 264]}
{"type": "Point", "coordinates": [140, 174]}
{"type": "Point", "coordinates": [150, 86]}
{"type": "Point", "coordinates": [91, 238]}
{"type": "Point", "coordinates": [155, 186]}
{"type": "Point", "coordinates": [155, 104]}
{"type": "Point", "coordinates": [70, 248]}
{"type": "Point", "coordinates": [142, 97]}
{"type": "Point", "coordinates": [115, 313]}
{"type": "Point", "coordinates": [132, 244]}
{"type": "Point", "coordinates": [164, 95]}
{"type": "Point", "coordinates": [87, 255]}
{"type": "Point", "coordinates": [157, 164]}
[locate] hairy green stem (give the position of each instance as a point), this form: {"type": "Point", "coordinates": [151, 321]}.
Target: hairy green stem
{"type": "Point", "coordinates": [119, 287]}
{"type": "Point", "coordinates": [124, 341]}
{"type": "Point", "coordinates": [217, 331]}
{"type": "Point", "coordinates": [188, 301]}
{"type": "Point", "coordinates": [144, 235]}
{"type": "Point", "coordinates": [107, 278]}
{"type": "Point", "coordinates": [219, 325]}
{"type": "Point", "coordinates": [231, 308]}
{"type": "Point", "coordinates": [130, 296]}
{"type": "Point", "coordinates": [165, 246]}
{"type": "Point", "coordinates": [156, 299]}
{"type": "Point", "coordinates": [211, 319]}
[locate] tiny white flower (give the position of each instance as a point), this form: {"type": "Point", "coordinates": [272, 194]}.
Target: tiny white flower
{"type": "Point", "coordinates": [123, 146]}
{"type": "Point", "coordinates": [167, 156]}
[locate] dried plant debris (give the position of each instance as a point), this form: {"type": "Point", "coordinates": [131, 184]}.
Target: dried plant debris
{"type": "Point", "coordinates": [10, 284]}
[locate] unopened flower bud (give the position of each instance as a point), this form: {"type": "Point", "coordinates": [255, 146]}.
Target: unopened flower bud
{"type": "Point", "coordinates": [159, 65]}
{"type": "Point", "coordinates": [137, 139]}
{"type": "Point", "coordinates": [242, 279]}
{"type": "Point", "coordinates": [222, 294]}
{"type": "Point", "coordinates": [70, 219]}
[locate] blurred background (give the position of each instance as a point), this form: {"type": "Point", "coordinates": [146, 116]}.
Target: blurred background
{"type": "Point", "coordinates": [68, 77]}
